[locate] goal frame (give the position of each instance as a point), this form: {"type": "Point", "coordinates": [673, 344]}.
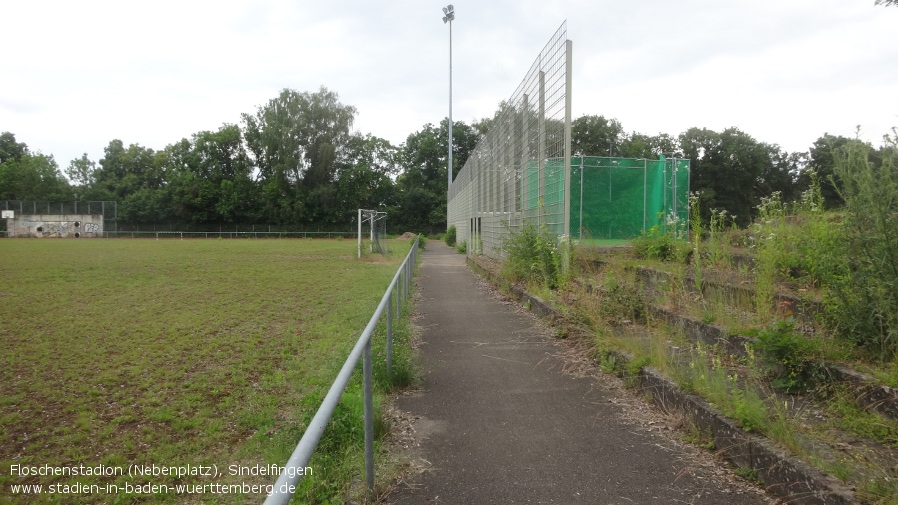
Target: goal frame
{"type": "Point", "coordinates": [370, 216]}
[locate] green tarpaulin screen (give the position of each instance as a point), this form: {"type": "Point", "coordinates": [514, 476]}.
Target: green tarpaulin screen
{"type": "Point", "coordinates": [614, 198]}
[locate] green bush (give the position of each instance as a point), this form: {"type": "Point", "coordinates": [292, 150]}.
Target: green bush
{"type": "Point", "coordinates": [793, 361]}
{"type": "Point", "coordinates": [621, 301]}
{"type": "Point", "coordinates": [533, 256]}
{"type": "Point", "coordinates": [863, 301]}
{"type": "Point", "coordinates": [657, 245]}
{"type": "Point", "coordinates": [450, 236]}
{"type": "Point", "coordinates": [462, 247]}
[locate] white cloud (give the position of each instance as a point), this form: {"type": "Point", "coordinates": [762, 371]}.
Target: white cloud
{"type": "Point", "coordinates": [83, 73]}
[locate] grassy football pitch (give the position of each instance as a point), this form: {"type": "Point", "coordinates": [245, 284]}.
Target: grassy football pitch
{"type": "Point", "coordinates": [178, 355]}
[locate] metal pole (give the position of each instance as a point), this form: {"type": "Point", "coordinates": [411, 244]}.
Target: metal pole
{"type": "Point", "coordinates": [360, 232]}
{"type": "Point", "coordinates": [673, 174]}
{"type": "Point", "coordinates": [450, 100]}
{"type": "Point", "coordinates": [541, 149]}
{"type": "Point", "coordinates": [369, 419]}
{"type": "Point", "coordinates": [399, 296]}
{"type": "Point", "coordinates": [568, 82]}
{"type": "Point", "coordinates": [580, 233]}
{"type": "Point", "coordinates": [390, 335]}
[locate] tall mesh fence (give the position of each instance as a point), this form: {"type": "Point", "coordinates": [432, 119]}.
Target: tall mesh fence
{"type": "Point", "coordinates": [515, 175]}
{"type": "Point", "coordinates": [621, 198]}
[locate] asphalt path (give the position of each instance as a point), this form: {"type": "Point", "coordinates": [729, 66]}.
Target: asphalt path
{"type": "Point", "coordinates": [499, 419]}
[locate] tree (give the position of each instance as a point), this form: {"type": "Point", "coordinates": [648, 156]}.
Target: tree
{"type": "Point", "coordinates": [209, 179]}
{"type": "Point", "coordinates": [727, 169]}
{"type": "Point", "coordinates": [782, 173]}
{"type": "Point", "coordinates": [638, 145]}
{"type": "Point", "coordinates": [124, 171]}
{"type": "Point", "coordinates": [295, 141]}
{"type": "Point", "coordinates": [10, 149]}
{"type": "Point", "coordinates": [422, 185]}
{"type": "Point", "coordinates": [365, 177]}
{"type": "Point", "coordinates": [595, 136]}
{"type": "Point", "coordinates": [27, 176]}
{"type": "Point", "coordinates": [821, 163]}
{"type": "Point", "coordinates": [81, 171]}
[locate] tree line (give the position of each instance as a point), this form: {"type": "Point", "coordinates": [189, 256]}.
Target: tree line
{"type": "Point", "coordinates": [296, 161]}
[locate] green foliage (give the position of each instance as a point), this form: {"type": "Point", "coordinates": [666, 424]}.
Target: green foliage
{"type": "Point", "coordinates": [450, 236]}
{"type": "Point", "coordinates": [422, 241]}
{"type": "Point", "coordinates": [718, 244]}
{"type": "Point", "coordinates": [532, 256]}
{"type": "Point", "coordinates": [772, 251]}
{"type": "Point", "coordinates": [657, 245]}
{"type": "Point", "coordinates": [864, 293]}
{"type": "Point", "coordinates": [10, 149]}
{"type": "Point", "coordinates": [421, 188]}
{"type": "Point", "coordinates": [621, 301]}
{"type": "Point", "coordinates": [29, 176]}
{"type": "Point", "coordinates": [595, 135]}
{"type": "Point", "coordinates": [695, 224]}
{"type": "Point", "coordinates": [733, 171]}
{"type": "Point", "coordinates": [819, 248]}
{"type": "Point", "coordinates": [462, 247]}
{"type": "Point", "coordinates": [747, 473]}
{"type": "Point", "coordinates": [793, 360]}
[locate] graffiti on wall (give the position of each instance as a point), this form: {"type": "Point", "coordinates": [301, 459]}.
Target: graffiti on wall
{"type": "Point", "coordinates": [73, 227]}
{"type": "Point", "coordinates": [56, 230]}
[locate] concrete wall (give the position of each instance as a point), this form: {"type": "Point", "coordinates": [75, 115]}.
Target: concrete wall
{"type": "Point", "coordinates": [56, 225]}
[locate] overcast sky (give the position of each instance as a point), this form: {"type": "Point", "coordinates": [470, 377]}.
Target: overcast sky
{"type": "Point", "coordinates": [79, 74]}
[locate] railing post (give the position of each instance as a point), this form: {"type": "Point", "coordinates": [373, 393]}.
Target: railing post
{"type": "Point", "coordinates": [408, 267]}
{"type": "Point", "coordinates": [369, 419]}
{"type": "Point", "coordinates": [399, 295]}
{"type": "Point", "coordinates": [390, 336]}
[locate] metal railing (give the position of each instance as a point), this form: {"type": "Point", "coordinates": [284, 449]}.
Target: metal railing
{"type": "Point", "coordinates": [286, 485]}
{"type": "Point", "coordinates": [226, 234]}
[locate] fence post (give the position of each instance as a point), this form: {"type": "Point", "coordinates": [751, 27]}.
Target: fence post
{"type": "Point", "coordinates": [405, 283]}
{"type": "Point", "coordinates": [369, 419]}
{"type": "Point", "coordinates": [390, 335]}
{"type": "Point", "coordinates": [399, 296]}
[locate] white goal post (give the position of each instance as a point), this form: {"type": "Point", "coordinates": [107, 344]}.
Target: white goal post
{"type": "Point", "coordinates": [377, 230]}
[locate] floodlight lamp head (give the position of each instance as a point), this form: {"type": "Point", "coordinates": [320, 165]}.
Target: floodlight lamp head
{"type": "Point", "coordinates": [449, 12]}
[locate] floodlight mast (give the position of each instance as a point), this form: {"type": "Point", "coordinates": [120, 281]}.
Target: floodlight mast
{"type": "Point", "coordinates": [449, 16]}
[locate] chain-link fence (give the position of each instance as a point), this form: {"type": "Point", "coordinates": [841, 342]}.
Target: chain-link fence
{"type": "Point", "coordinates": [510, 180]}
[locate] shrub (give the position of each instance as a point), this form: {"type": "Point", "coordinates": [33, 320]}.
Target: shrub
{"type": "Point", "coordinates": [462, 247]}
{"type": "Point", "coordinates": [533, 256]}
{"type": "Point", "coordinates": [863, 306]}
{"type": "Point", "coordinates": [450, 236]}
{"type": "Point", "coordinates": [657, 245]}
{"type": "Point", "coordinates": [794, 361]}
